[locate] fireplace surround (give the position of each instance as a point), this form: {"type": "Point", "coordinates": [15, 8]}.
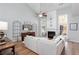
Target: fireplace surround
{"type": "Point", "coordinates": [51, 34]}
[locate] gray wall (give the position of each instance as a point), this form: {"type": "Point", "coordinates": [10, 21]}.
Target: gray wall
{"type": "Point", "coordinates": [74, 35]}
{"type": "Point", "coordinates": [12, 12]}
{"type": "Point", "coordinates": [73, 17]}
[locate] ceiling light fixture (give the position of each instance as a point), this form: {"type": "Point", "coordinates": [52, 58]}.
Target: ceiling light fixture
{"type": "Point", "coordinates": [42, 14]}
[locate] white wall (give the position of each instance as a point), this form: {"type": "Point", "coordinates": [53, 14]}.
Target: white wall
{"type": "Point", "coordinates": [52, 21]}
{"type": "Point", "coordinates": [74, 35]}
{"type": "Point", "coordinates": [56, 14]}
{"type": "Point", "coordinates": [12, 12]}
{"type": "Point", "coordinates": [63, 11]}
{"type": "Point", "coordinates": [73, 17]}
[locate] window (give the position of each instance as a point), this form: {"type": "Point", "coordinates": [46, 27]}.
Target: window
{"type": "Point", "coordinates": [3, 25]}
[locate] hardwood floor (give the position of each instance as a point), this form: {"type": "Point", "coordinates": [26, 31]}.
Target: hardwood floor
{"type": "Point", "coordinates": [71, 48]}
{"type": "Point", "coordinates": [22, 50]}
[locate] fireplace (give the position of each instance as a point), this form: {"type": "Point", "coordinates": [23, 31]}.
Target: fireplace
{"type": "Point", "coordinates": [51, 34]}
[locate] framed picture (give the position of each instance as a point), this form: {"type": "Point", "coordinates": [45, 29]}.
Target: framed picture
{"type": "Point", "coordinates": [27, 26]}
{"type": "Point", "coordinates": [74, 26]}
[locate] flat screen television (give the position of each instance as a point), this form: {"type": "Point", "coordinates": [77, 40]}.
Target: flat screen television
{"type": "Point", "coordinates": [51, 34]}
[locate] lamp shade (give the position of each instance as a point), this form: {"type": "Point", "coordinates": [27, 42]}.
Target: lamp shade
{"type": "Point", "coordinates": [26, 29]}
{"type": "Point", "coordinates": [3, 25]}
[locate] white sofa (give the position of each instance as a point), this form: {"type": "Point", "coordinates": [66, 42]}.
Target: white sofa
{"type": "Point", "coordinates": [43, 46]}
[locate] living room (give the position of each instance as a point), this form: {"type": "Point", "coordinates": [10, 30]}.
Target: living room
{"type": "Point", "coordinates": [37, 28]}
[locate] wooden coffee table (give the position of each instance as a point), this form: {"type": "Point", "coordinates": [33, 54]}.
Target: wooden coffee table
{"type": "Point", "coordinates": [8, 45]}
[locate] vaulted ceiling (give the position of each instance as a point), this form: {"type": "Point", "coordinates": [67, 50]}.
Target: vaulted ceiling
{"type": "Point", "coordinates": [47, 7]}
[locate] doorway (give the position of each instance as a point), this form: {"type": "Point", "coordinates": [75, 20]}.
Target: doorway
{"type": "Point", "coordinates": [63, 24]}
